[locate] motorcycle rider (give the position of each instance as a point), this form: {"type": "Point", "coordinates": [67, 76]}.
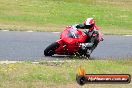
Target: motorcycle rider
{"type": "Point", "coordinates": [91, 32]}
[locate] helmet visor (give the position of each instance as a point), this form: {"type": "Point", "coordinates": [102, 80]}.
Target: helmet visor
{"type": "Point", "coordinates": [89, 26]}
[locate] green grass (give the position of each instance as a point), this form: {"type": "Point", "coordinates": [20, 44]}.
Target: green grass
{"type": "Point", "coordinates": [54, 15]}
{"type": "Point", "coordinates": [59, 74]}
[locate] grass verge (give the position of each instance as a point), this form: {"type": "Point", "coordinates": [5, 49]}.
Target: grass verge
{"type": "Point", "coordinates": [53, 15]}
{"type": "Point", "coordinates": [59, 74]}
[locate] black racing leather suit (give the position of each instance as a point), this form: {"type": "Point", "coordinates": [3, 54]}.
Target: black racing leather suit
{"type": "Point", "coordinates": [92, 35]}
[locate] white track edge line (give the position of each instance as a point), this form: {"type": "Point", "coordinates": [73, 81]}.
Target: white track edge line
{"type": "Point", "coordinates": [5, 30]}
{"type": "Point", "coordinates": [127, 35]}
{"type": "Point", "coordinates": [35, 62]}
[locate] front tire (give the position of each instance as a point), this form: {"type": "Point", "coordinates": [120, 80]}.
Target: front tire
{"type": "Point", "coordinates": [50, 50]}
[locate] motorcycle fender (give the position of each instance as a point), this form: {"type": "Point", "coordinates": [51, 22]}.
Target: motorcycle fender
{"type": "Point", "coordinates": [59, 41]}
{"type": "Point", "coordinates": [60, 50]}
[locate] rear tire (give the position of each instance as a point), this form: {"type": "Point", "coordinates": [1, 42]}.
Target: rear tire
{"type": "Point", "coordinates": [50, 50]}
{"type": "Point", "coordinates": [87, 55]}
{"type": "Point", "coordinates": [84, 53]}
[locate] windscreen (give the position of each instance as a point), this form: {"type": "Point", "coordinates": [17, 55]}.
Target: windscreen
{"type": "Point", "coordinates": [73, 34]}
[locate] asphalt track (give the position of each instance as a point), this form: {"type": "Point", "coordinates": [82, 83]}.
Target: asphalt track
{"type": "Point", "coordinates": [30, 46]}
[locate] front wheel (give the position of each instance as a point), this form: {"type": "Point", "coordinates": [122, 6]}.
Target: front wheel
{"type": "Point", "coordinates": [50, 50]}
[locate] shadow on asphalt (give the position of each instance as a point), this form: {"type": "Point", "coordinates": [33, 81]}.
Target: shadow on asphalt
{"type": "Point", "coordinates": [72, 57]}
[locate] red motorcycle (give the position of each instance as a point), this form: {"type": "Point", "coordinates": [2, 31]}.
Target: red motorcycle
{"type": "Point", "coordinates": [69, 43]}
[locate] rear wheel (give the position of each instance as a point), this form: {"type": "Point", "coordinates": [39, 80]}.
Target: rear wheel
{"type": "Point", "coordinates": [84, 53]}
{"type": "Point", "coordinates": [88, 53]}
{"type": "Point", "coordinates": [50, 50]}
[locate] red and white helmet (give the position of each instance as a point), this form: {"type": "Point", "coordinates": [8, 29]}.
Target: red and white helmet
{"type": "Point", "coordinates": [89, 23]}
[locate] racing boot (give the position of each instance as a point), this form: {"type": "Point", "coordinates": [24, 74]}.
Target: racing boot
{"type": "Point", "coordinates": [89, 51]}
{"type": "Point", "coordinates": [84, 46]}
